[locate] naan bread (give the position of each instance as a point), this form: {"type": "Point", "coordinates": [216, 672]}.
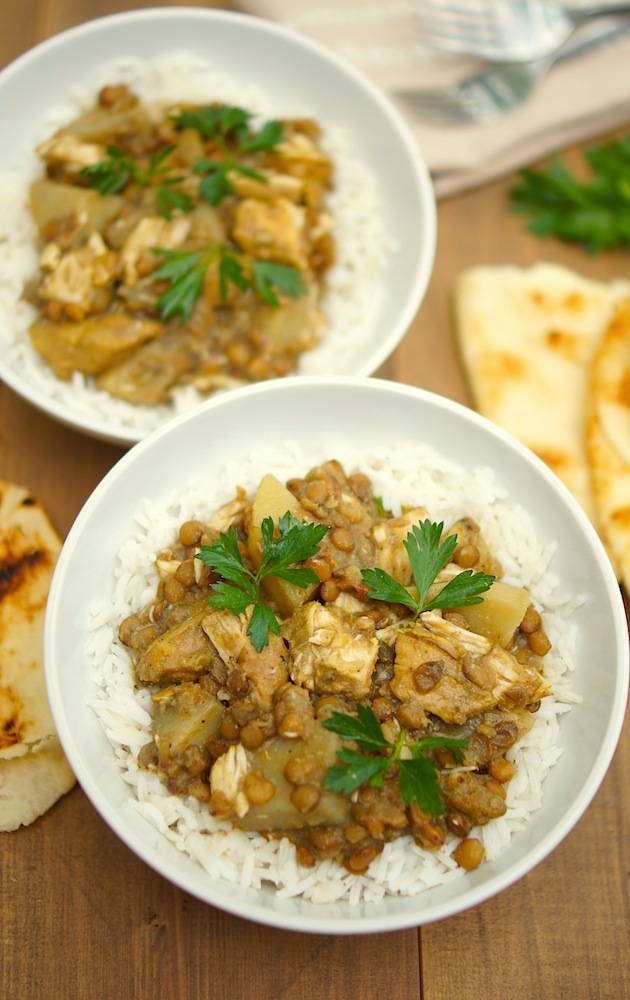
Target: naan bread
{"type": "Point", "coordinates": [527, 339]}
{"type": "Point", "coordinates": [608, 437]}
{"type": "Point", "coordinates": [33, 770]}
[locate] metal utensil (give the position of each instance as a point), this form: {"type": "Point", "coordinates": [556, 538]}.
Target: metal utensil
{"type": "Point", "coordinates": [485, 97]}
{"type": "Point", "coordinates": [504, 30]}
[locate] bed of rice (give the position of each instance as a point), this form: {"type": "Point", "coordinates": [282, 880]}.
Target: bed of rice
{"type": "Point", "coordinates": [352, 298]}
{"type": "Point", "coordinates": [401, 476]}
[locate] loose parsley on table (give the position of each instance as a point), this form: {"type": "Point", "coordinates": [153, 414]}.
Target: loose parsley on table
{"type": "Point", "coordinates": [293, 542]}
{"type": "Point", "coordinates": [185, 271]}
{"type": "Point", "coordinates": [417, 777]}
{"type": "Point", "coordinates": [428, 554]}
{"type": "Point", "coordinates": [594, 213]}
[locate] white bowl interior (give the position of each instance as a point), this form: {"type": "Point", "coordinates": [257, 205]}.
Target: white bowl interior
{"type": "Point", "coordinates": [374, 413]}
{"type": "Point", "coordinates": [273, 59]}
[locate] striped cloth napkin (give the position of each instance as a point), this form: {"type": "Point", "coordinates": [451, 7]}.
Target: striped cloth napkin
{"type": "Point", "coordinates": [580, 99]}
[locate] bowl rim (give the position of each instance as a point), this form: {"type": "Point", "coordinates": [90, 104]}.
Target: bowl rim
{"type": "Point", "coordinates": [99, 426]}
{"type": "Point", "coordinates": [359, 924]}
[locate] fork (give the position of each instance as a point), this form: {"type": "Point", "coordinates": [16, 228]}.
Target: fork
{"type": "Point", "coordinates": [486, 96]}
{"type": "Point", "coordinates": [504, 30]}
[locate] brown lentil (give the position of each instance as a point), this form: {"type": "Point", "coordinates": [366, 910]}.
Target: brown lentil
{"type": "Point", "coordinates": [291, 726]}
{"type": "Point", "coordinates": [306, 797]}
{"type": "Point", "coordinates": [501, 770]}
{"type": "Point", "coordinates": [299, 770]}
{"type": "Point", "coordinates": [469, 854]}
{"type": "Point", "coordinates": [360, 859]}
{"type": "Point", "coordinates": [538, 642]}
{"type": "Point", "coordinates": [531, 620]}
{"type": "Point", "coordinates": [466, 555]}
{"type": "Point", "coordinates": [174, 591]}
{"type": "Point", "coordinates": [258, 789]}
{"type": "Point", "coordinates": [190, 532]}
{"type": "Point", "coordinates": [329, 591]}
{"type": "Point", "coordinates": [342, 539]}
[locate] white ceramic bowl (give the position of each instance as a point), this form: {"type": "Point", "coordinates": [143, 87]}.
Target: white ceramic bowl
{"type": "Point", "coordinates": [293, 75]}
{"type": "Point", "coordinates": [376, 414]}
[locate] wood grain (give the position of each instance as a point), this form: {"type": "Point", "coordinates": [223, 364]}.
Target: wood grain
{"type": "Point", "coordinates": [82, 917]}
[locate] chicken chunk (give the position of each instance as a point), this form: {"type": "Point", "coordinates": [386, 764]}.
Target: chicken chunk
{"type": "Point", "coordinates": [328, 653]}
{"type": "Point", "coordinates": [388, 537]}
{"type": "Point", "coordinates": [455, 674]}
{"type": "Point", "coordinates": [466, 793]}
{"type": "Point", "coordinates": [78, 276]}
{"type": "Point", "coordinates": [265, 672]}
{"type": "Point", "coordinates": [151, 232]}
{"type": "Point", "coordinates": [226, 779]}
{"type": "Point", "coordinates": [181, 653]}
{"type": "Point", "coordinates": [272, 230]}
{"type": "Point", "coordinates": [68, 149]}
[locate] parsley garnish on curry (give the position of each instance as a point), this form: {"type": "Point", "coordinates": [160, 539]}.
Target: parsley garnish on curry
{"type": "Point", "coordinates": [185, 247]}
{"type": "Point", "coordinates": [325, 671]}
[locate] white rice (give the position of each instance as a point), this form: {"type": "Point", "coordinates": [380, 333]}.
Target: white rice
{"type": "Point", "coordinates": [401, 476]}
{"type": "Point", "coordinates": [353, 295]}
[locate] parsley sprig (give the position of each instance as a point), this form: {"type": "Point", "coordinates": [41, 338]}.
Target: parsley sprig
{"type": "Point", "coordinates": [594, 213]}
{"type": "Point", "coordinates": [292, 542]}
{"type": "Point", "coordinates": [113, 174]}
{"type": "Point", "coordinates": [229, 127]}
{"type": "Point", "coordinates": [417, 776]}
{"type": "Point", "coordinates": [428, 554]}
{"type": "Point", "coordinates": [185, 271]}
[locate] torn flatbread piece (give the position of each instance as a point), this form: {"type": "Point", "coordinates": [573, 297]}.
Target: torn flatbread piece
{"type": "Point", "coordinates": [527, 338]}
{"type": "Point", "coordinates": [608, 437]}
{"type": "Point", "coordinates": [33, 770]}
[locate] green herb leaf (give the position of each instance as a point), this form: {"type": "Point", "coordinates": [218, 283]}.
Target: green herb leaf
{"type": "Point", "coordinates": [462, 591]}
{"type": "Point", "coordinates": [417, 777]}
{"type": "Point", "coordinates": [383, 587]}
{"type": "Point", "coordinates": [217, 121]}
{"type": "Point", "coordinates": [286, 279]}
{"type": "Point", "coordinates": [231, 270]}
{"type": "Point", "coordinates": [452, 743]}
{"type": "Point", "coordinates": [428, 555]}
{"type": "Point", "coordinates": [269, 136]}
{"type": "Point", "coordinates": [111, 175]}
{"type": "Point", "coordinates": [168, 199]}
{"type": "Point", "coordinates": [356, 770]}
{"type": "Point", "coordinates": [231, 598]}
{"type": "Point", "coordinates": [365, 731]}
{"type": "Point", "coordinates": [185, 270]}
{"type": "Point", "coordinates": [419, 785]}
{"type": "Point", "coordinates": [594, 213]}
{"type": "Point", "coordinates": [229, 124]}
{"type": "Point", "coordinates": [296, 541]}
{"type": "Point", "coordinates": [262, 622]}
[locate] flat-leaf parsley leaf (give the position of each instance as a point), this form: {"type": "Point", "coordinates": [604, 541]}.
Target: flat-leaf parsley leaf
{"type": "Point", "coordinates": [417, 777]}
{"type": "Point", "coordinates": [289, 542]}
{"type": "Point", "coordinates": [428, 554]}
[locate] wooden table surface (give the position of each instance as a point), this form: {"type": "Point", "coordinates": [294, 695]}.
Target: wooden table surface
{"type": "Point", "coordinates": [82, 917]}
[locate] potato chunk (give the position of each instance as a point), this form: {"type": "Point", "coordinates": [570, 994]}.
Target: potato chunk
{"type": "Point", "coordinates": [274, 500]}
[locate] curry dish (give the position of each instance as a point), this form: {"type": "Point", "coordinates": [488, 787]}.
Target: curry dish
{"type": "Point", "coordinates": [317, 709]}
{"type": "Point", "coordinates": [182, 247]}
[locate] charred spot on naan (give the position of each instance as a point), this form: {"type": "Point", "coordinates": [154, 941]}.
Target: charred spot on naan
{"type": "Point", "coordinates": [33, 770]}
{"type": "Point", "coordinates": [16, 568]}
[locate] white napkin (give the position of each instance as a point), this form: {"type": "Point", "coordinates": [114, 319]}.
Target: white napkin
{"type": "Point", "coordinates": [581, 98]}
